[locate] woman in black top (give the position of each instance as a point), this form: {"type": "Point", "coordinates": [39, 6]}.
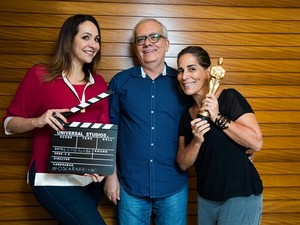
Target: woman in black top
{"type": "Point", "coordinates": [228, 185]}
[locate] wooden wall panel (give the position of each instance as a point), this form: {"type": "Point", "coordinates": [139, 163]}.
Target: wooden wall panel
{"type": "Point", "coordinates": [260, 43]}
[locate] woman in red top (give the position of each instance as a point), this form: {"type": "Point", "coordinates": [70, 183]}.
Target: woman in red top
{"type": "Point", "coordinates": [47, 91]}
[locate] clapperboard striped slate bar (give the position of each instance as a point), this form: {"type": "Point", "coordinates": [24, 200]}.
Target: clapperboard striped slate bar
{"type": "Point", "coordinates": [90, 125]}
{"type": "Point", "coordinates": [88, 103]}
{"type": "Point", "coordinates": [84, 147]}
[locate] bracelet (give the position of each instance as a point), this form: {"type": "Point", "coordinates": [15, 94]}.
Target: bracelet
{"type": "Point", "coordinates": [222, 121]}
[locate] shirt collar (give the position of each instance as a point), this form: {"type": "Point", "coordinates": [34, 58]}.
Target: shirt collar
{"type": "Point", "coordinates": [164, 73]}
{"type": "Point", "coordinates": [91, 78]}
{"type": "Point", "coordinates": [90, 82]}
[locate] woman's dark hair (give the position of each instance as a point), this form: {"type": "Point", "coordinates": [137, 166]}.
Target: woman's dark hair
{"type": "Point", "coordinates": [201, 55]}
{"type": "Point", "coordinates": [63, 52]}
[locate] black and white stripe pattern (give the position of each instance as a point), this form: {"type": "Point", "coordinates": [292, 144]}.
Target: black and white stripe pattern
{"type": "Point", "coordinates": [91, 125]}
{"type": "Point", "coordinates": [91, 101]}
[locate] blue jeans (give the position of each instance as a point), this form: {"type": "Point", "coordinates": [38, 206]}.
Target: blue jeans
{"type": "Point", "coordinates": [169, 210]}
{"type": "Point", "coordinates": [234, 211]}
{"type": "Point", "coordinates": [70, 205]}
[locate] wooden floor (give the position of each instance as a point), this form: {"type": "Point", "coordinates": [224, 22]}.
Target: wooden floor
{"type": "Point", "coordinates": [258, 39]}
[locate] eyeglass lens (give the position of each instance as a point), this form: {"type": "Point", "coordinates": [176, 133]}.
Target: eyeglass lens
{"type": "Point", "coordinates": [153, 38]}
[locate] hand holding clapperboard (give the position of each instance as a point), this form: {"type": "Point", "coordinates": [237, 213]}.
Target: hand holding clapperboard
{"type": "Point", "coordinates": [84, 148]}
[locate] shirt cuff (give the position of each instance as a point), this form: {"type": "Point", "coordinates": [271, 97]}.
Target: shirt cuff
{"type": "Point", "coordinates": [7, 132]}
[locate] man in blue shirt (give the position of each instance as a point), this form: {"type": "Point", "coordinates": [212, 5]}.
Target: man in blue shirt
{"type": "Point", "coordinates": [146, 106]}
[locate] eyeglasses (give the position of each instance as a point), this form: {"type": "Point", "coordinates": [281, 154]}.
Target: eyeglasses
{"type": "Point", "coordinates": [153, 38]}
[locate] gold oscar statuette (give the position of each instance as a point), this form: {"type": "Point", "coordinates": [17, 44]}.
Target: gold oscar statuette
{"type": "Point", "coordinates": [217, 73]}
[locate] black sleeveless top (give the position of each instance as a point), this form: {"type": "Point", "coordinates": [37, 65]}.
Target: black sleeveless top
{"type": "Point", "coordinates": [222, 166]}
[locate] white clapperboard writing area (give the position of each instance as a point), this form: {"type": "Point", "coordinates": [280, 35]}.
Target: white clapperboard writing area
{"type": "Point", "coordinates": [84, 147]}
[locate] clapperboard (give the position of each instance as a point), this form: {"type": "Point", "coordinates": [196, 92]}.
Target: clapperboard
{"type": "Point", "coordinates": [84, 147]}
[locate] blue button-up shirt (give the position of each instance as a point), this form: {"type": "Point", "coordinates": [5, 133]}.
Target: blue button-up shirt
{"type": "Point", "coordinates": [147, 113]}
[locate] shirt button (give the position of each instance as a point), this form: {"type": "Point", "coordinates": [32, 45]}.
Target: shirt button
{"type": "Point", "coordinates": [152, 128]}
{"type": "Point", "coordinates": [152, 144]}
{"type": "Point", "coordinates": [152, 111]}
{"type": "Point", "coordinates": [151, 160]}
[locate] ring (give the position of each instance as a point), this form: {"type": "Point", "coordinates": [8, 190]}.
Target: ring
{"type": "Point", "coordinates": [54, 114]}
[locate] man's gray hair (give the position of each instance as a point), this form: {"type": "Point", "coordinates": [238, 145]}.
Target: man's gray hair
{"type": "Point", "coordinates": [164, 29]}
